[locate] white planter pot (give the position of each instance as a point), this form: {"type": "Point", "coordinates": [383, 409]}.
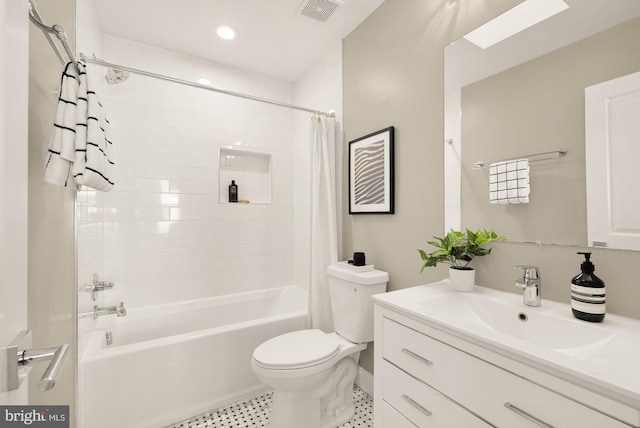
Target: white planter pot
{"type": "Point", "coordinates": [462, 279]}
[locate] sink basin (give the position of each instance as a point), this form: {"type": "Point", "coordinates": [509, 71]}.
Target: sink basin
{"type": "Point", "coordinates": [601, 357]}
{"type": "Point", "coordinates": [531, 325]}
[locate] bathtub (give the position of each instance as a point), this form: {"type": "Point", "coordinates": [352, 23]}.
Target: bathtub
{"type": "Point", "coordinates": [171, 362]}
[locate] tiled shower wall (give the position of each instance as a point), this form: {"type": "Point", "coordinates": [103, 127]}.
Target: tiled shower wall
{"type": "Point", "coordinates": [167, 236]}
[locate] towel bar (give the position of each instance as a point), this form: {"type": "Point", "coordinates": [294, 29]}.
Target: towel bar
{"type": "Point", "coordinates": [555, 154]}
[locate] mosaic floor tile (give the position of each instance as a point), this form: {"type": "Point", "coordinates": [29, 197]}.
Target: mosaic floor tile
{"type": "Point", "coordinates": [254, 413]}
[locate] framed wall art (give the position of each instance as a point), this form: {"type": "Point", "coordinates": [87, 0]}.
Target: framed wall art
{"type": "Point", "coordinates": [371, 173]}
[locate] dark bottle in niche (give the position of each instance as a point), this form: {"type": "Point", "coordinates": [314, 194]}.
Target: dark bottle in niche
{"type": "Point", "coordinates": [233, 191]}
{"type": "Point", "coordinates": [587, 293]}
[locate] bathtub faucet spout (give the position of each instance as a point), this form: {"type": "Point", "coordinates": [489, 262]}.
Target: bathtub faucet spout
{"type": "Point", "coordinates": [119, 310]}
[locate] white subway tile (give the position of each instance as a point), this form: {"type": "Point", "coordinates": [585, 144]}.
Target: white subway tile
{"type": "Point", "coordinates": [117, 198]}
{"type": "Point", "coordinates": [123, 258]}
{"type": "Point", "coordinates": [167, 236]}
{"type": "Point", "coordinates": [123, 228]}
{"type": "Point", "coordinates": [167, 227]}
{"type": "Point", "coordinates": [193, 186]}
{"type": "Point", "coordinates": [168, 199]}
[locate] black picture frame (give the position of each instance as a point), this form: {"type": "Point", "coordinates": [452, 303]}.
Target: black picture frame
{"type": "Point", "coordinates": [371, 173]}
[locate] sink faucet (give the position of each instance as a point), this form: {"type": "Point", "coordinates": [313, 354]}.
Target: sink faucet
{"type": "Point", "coordinates": [530, 283]}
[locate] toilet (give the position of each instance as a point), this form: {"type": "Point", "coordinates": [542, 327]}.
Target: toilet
{"type": "Point", "coordinates": [312, 372]}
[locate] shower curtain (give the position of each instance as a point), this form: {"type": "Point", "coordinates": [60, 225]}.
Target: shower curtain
{"type": "Point", "coordinates": [324, 228]}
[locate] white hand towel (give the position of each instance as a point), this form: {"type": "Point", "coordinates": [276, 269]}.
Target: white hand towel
{"type": "Point", "coordinates": [509, 182]}
{"type": "Point", "coordinates": [61, 152]}
{"type": "Point", "coordinates": [79, 147]}
{"type": "Point", "coordinates": [92, 165]}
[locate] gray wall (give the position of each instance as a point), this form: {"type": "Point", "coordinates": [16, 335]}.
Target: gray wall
{"type": "Point", "coordinates": [537, 107]}
{"type": "Point", "coordinates": [393, 75]}
{"type": "Point", "coordinates": [51, 217]}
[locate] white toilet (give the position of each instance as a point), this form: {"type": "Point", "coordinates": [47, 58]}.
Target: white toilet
{"type": "Point", "coordinates": [312, 372]}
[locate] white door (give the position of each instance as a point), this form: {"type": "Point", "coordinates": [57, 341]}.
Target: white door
{"type": "Point", "coordinates": [612, 132]}
{"type": "Point", "coordinates": [14, 51]}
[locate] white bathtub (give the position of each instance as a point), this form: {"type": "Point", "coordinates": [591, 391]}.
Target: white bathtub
{"type": "Point", "coordinates": [171, 362]}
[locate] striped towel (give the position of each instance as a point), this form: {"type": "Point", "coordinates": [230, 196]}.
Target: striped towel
{"type": "Point", "coordinates": [79, 147]}
{"type": "Point", "coordinates": [62, 147]}
{"type": "Point", "coordinates": [509, 182]}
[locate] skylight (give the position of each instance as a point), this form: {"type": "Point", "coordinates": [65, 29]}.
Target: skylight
{"type": "Point", "coordinates": [519, 18]}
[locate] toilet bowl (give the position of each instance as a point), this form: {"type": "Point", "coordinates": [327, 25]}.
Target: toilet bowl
{"type": "Point", "coordinates": [313, 382]}
{"type": "Point", "coordinates": [312, 372]}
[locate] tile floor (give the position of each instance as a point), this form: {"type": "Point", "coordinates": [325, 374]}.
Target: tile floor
{"type": "Point", "coordinates": [254, 413]}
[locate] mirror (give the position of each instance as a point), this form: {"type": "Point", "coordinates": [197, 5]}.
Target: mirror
{"type": "Point", "coordinates": [524, 96]}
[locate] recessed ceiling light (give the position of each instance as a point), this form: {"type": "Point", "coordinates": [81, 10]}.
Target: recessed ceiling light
{"type": "Point", "coordinates": [204, 81]}
{"type": "Point", "coordinates": [519, 18]}
{"type": "Point", "coordinates": [225, 32]}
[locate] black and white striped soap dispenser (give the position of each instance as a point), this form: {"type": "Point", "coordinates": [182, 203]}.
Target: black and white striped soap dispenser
{"type": "Point", "coordinates": [587, 293]}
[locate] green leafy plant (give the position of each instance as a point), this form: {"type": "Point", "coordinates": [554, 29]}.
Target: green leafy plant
{"type": "Point", "coordinates": [458, 248]}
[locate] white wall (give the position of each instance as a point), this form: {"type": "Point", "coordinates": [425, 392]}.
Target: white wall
{"type": "Point", "coordinates": [452, 160]}
{"type": "Point", "coordinates": [166, 235]}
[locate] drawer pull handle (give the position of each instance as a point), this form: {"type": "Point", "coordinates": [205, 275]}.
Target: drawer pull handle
{"type": "Point", "coordinates": [417, 357]}
{"type": "Point", "coordinates": [410, 400]}
{"type": "Point", "coordinates": [527, 416]}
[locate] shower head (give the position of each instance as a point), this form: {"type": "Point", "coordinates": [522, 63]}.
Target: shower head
{"type": "Point", "coordinates": [115, 76]}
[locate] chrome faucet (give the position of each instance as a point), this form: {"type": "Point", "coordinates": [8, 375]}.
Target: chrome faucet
{"type": "Point", "coordinates": [531, 284]}
{"type": "Point", "coordinates": [119, 310]}
{"type": "Point", "coordinates": [97, 285]}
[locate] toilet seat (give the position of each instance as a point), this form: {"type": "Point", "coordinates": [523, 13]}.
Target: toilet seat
{"type": "Point", "coordinates": [296, 350]}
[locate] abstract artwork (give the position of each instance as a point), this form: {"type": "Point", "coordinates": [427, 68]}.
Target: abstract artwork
{"type": "Point", "coordinates": [371, 173]}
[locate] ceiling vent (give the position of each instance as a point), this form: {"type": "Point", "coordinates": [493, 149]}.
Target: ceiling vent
{"type": "Point", "coordinates": [320, 10]}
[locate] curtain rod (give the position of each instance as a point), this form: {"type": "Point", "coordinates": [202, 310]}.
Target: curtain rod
{"type": "Point", "coordinates": [59, 32]}
{"type": "Point", "coordinates": [99, 61]}
{"type": "Point", "coordinates": [56, 29]}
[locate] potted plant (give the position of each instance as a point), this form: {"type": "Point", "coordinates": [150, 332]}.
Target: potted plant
{"type": "Point", "coordinates": [458, 249]}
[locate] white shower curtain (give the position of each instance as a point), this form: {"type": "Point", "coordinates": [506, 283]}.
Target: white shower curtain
{"type": "Point", "coordinates": [324, 227]}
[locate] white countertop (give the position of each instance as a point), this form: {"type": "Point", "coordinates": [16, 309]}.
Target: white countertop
{"type": "Point", "coordinates": [611, 368]}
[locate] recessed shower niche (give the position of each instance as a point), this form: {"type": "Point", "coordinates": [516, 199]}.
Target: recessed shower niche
{"type": "Point", "coordinates": [251, 171]}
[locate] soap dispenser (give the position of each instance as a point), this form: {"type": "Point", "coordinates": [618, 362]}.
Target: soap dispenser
{"type": "Point", "coordinates": [587, 293]}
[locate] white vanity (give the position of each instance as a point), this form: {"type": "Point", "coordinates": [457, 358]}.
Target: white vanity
{"type": "Point", "coordinates": [449, 359]}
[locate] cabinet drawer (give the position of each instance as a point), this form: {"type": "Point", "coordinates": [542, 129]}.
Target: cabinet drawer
{"type": "Point", "coordinates": [498, 396]}
{"type": "Point", "coordinates": [391, 418]}
{"type": "Point", "coordinates": [422, 405]}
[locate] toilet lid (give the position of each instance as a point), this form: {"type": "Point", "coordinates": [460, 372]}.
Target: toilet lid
{"type": "Point", "coordinates": [297, 349]}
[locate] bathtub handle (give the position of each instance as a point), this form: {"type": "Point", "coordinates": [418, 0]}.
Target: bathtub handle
{"type": "Point", "coordinates": [97, 285]}
{"type": "Point", "coordinates": [20, 357]}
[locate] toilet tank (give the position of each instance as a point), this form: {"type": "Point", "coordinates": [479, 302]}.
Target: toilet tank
{"type": "Point", "coordinates": [351, 303]}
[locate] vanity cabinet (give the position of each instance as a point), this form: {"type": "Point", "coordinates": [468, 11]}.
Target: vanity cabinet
{"type": "Point", "coordinates": [426, 377]}
{"type": "Point", "coordinates": [411, 402]}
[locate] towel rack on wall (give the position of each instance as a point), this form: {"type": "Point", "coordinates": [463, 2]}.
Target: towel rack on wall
{"type": "Point", "coordinates": [56, 30]}
{"type": "Point", "coordinates": [555, 154]}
